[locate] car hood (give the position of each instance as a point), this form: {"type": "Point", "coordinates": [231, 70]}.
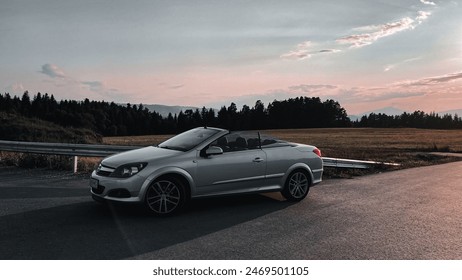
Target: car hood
{"type": "Point", "coordinates": [146, 154]}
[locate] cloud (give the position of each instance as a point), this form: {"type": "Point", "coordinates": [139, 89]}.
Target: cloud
{"type": "Point", "coordinates": [422, 16]}
{"type": "Point", "coordinates": [330, 51]}
{"type": "Point", "coordinates": [432, 80]}
{"type": "Point", "coordinates": [308, 89]}
{"type": "Point", "coordinates": [302, 51]}
{"type": "Point", "coordinates": [407, 89]}
{"type": "Point", "coordinates": [428, 2]}
{"type": "Point", "coordinates": [52, 71]}
{"type": "Point", "coordinates": [367, 35]}
{"type": "Point", "coordinates": [377, 32]}
{"type": "Point", "coordinates": [170, 86]}
{"type": "Point", "coordinates": [297, 54]}
{"type": "Point", "coordinates": [389, 67]}
{"type": "Point", "coordinates": [390, 95]}
{"type": "Point", "coordinates": [79, 87]}
{"type": "Point", "coordinates": [176, 86]}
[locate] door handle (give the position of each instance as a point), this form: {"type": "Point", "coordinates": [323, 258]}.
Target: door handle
{"type": "Point", "coordinates": [258, 159]}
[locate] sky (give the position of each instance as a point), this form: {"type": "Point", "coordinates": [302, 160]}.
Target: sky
{"type": "Point", "coordinates": [364, 54]}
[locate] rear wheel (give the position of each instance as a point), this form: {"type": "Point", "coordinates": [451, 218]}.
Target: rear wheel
{"type": "Point", "coordinates": [165, 196]}
{"type": "Point", "coordinates": [297, 186]}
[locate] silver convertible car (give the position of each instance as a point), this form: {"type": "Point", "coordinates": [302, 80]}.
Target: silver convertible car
{"type": "Point", "coordinates": [204, 162]}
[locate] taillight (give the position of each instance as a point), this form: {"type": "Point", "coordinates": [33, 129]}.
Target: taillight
{"type": "Point", "coordinates": [317, 152]}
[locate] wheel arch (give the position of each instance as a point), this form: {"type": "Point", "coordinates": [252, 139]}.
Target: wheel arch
{"type": "Point", "coordinates": [298, 166]}
{"type": "Point", "coordinates": [178, 173]}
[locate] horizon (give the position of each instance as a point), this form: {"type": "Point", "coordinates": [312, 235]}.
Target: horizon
{"type": "Point", "coordinates": [367, 55]}
{"type": "Point", "coordinates": [175, 109]}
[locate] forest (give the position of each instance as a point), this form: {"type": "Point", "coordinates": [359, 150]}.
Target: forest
{"type": "Point", "coordinates": [418, 119]}
{"type": "Point", "coordinates": [111, 119]}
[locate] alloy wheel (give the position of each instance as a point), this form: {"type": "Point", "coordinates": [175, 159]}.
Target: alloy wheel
{"type": "Point", "coordinates": [298, 185]}
{"type": "Point", "coordinates": [164, 196]}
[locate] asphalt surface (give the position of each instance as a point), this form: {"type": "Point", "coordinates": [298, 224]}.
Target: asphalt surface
{"type": "Point", "coordinates": [407, 214]}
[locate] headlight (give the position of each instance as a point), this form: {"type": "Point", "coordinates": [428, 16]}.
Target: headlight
{"type": "Point", "coordinates": [128, 170]}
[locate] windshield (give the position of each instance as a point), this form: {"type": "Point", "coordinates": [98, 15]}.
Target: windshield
{"type": "Point", "coordinates": [188, 139]}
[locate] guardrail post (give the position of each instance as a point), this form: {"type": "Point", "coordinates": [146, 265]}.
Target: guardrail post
{"type": "Point", "coordinates": [75, 163]}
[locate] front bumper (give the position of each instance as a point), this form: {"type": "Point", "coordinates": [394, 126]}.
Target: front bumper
{"type": "Point", "coordinates": [117, 189]}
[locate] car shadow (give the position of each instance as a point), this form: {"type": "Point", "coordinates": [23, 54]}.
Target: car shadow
{"type": "Point", "coordinates": [89, 230]}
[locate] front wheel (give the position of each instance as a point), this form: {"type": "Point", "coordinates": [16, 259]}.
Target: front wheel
{"type": "Point", "coordinates": [165, 196]}
{"type": "Point", "coordinates": [297, 186]}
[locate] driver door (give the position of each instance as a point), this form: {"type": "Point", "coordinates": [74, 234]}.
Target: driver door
{"type": "Point", "coordinates": [240, 168]}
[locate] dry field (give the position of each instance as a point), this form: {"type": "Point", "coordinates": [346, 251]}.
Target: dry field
{"type": "Point", "coordinates": [406, 146]}
{"type": "Point", "coordinates": [144, 140]}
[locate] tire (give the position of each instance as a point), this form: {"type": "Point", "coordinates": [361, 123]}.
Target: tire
{"type": "Point", "coordinates": [166, 196]}
{"type": "Point", "coordinates": [297, 186]}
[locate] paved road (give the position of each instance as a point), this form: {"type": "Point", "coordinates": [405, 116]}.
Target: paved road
{"type": "Point", "coordinates": [407, 214]}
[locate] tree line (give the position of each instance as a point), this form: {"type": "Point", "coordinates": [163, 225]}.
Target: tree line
{"type": "Point", "coordinates": [111, 119]}
{"type": "Point", "coordinates": [418, 119]}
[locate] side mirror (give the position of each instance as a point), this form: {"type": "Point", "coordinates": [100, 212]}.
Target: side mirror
{"type": "Point", "coordinates": [213, 150]}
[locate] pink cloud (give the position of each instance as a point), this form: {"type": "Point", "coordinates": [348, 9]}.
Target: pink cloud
{"type": "Point", "coordinates": [432, 80]}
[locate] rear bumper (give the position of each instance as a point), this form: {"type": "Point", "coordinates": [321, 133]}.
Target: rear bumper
{"type": "Point", "coordinates": [317, 176]}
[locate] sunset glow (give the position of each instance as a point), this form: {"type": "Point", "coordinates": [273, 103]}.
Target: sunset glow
{"type": "Point", "coordinates": [365, 54]}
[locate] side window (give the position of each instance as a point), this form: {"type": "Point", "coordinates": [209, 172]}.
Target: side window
{"type": "Point", "coordinates": [238, 141]}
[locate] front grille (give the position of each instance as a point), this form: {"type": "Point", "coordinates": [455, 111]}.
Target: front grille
{"type": "Point", "coordinates": [104, 171]}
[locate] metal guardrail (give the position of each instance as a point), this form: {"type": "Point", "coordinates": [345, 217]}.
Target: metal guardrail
{"type": "Point", "coordinates": [75, 150]}
{"type": "Point", "coordinates": [86, 150]}
{"type": "Point", "coordinates": [350, 163]}
{"type": "Point", "coordinates": [63, 149]}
